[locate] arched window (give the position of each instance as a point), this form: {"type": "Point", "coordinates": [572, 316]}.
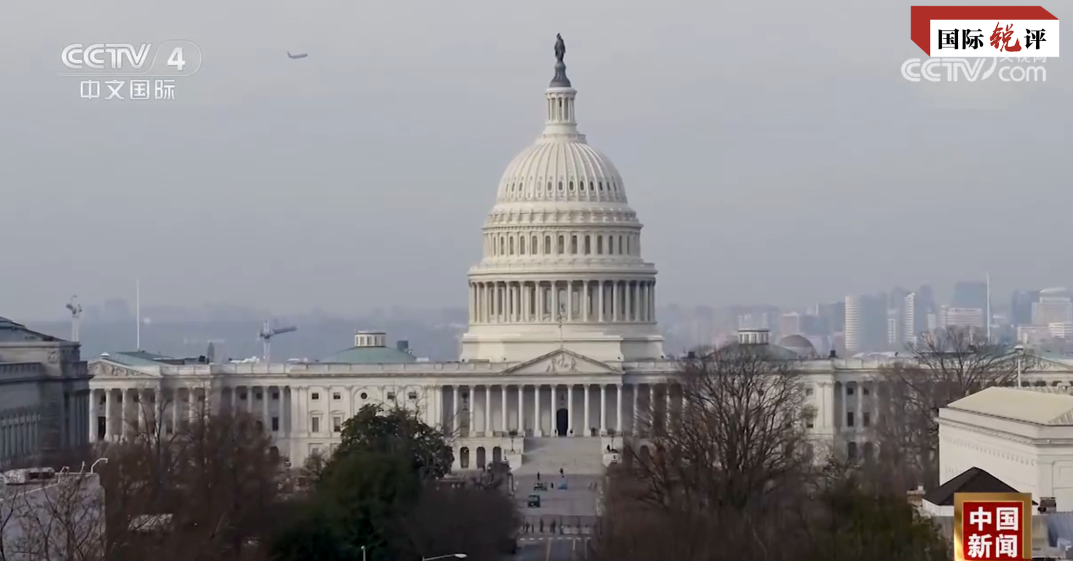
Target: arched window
{"type": "Point", "coordinates": [591, 186]}
{"type": "Point", "coordinates": [510, 243]}
{"type": "Point", "coordinates": [534, 247]}
{"type": "Point", "coordinates": [547, 245]}
{"type": "Point", "coordinates": [628, 252]}
{"type": "Point", "coordinates": [560, 185]}
{"type": "Point", "coordinates": [610, 245]}
{"type": "Point", "coordinates": [521, 245]}
{"type": "Point", "coordinates": [549, 186]}
{"type": "Point", "coordinates": [599, 245]}
{"type": "Point", "coordinates": [573, 245]}
{"type": "Point", "coordinates": [502, 243]}
{"type": "Point", "coordinates": [601, 184]}
{"type": "Point", "coordinates": [562, 245]}
{"type": "Point", "coordinates": [571, 186]}
{"type": "Point", "coordinates": [588, 245]}
{"type": "Point", "coordinates": [621, 246]}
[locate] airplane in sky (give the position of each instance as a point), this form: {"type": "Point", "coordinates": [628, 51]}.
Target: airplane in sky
{"type": "Point", "coordinates": [301, 55]}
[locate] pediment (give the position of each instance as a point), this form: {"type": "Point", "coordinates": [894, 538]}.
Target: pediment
{"type": "Point", "coordinates": [104, 369]}
{"type": "Point", "coordinates": [562, 361]}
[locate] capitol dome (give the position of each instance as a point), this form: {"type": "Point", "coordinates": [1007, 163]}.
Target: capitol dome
{"type": "Point", "coordinates": [552, 171]}
{"type": "Point", "coordinates": [561, 264]}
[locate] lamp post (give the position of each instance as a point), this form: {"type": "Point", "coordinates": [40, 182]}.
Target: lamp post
{"type": "Point", "coordinates": [455, 555]}
{"type": "Point", "coordinates": [1020, 350]}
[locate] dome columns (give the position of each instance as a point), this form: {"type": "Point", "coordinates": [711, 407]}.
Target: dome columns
{"type": "Point", "coordinates": [573, 301]}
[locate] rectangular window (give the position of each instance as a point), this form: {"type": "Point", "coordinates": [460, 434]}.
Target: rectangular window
{"type": "Point", "coordinates": [412, 396]}
{"type": "Point", "coordinates": [808, 392]}
{"type": "Point", "coordinates": [866, 419]}
{"type": "Point", "coordinates": [391, 396]}
{"type": "Point", "coordinates": [316, 396]}
{"type": "Point", "coordinates": [275, 395]}
{"type": "Point", "coordinates": [260, 396]}
{"type": "Point", "coordinates": [337, 396]}
{"type": "Point", "coordinates": [275, 424]}
{"type": "Point", "coordinates": [337, 424]}
{"type": "Point", "coordinates": [242, 396]}
{"type": "Point", "coordinates": [315, 425]}
{"type": "Point", "coordinates": [849, 418]}
{"type": "Point", "coordinates": [849, 390]}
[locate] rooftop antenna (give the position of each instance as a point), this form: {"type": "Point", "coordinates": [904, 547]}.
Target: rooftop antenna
{"type": "Point", "coordinates": [988, 277]}
{"type": "Point", "coordinates": [138, 314]}
{"type": "Point", "coordinates": [76, 313]}
{"type": "Point", "coordinates": [267, 333]}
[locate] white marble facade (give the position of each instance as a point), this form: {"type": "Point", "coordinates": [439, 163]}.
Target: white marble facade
{"type": "Point", "coordinates": [479, 404]}
{"type": "Point", "coordinates": [562, 334]}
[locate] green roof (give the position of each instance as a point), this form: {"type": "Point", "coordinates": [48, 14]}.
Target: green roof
{"type": "Point", "coordinates": [370, 355]}
{"type": "Point", "coordinates": [137, 358]}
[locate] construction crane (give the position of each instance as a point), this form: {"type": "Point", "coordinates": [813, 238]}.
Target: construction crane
{"type": "Point", "coordinates": [268, 332]}
{"type": "Point", "coordinates": [76, 313]}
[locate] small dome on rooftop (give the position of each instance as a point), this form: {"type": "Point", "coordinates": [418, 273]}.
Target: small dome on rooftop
{"type": "Point", "coordinates": [798, 344]}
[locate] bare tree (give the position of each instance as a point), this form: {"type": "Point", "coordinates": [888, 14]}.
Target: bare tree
{"type": "Point", "coordinates": [738, 435]}
{"type": "Point", "coordinates": [62, 518]}
{"type": "Point", "coordinates": [201, 488]}
{"type": "Point", "coordinates": [719, 464]}
{"type": "Point", "coordinates": [947, 365]}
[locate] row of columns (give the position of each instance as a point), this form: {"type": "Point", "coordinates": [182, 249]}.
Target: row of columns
{"type": "Point", "coordinates": [846, 403]}
{"type": "Point", "coordinates": [503, 245]}
{"type": "Point", "coordinates": [464, 410]}
{"type": "Point", "coordinates": [574, 300]}
{"type": "Point", "coordinates": [139, 406]}
{"type": "Point", "coordinates": [19, 434]}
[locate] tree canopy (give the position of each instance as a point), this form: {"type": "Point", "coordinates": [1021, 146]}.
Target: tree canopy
{"type": "Point", "coordinates": [378, 492]}
{"type": "Point", "coordinates": [733, 477]}
{"type": "Point", "coordinates": [397, 432]}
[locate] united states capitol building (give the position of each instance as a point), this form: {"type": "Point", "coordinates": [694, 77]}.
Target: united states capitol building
{"type": "Point", "coordinates": [561, 354]}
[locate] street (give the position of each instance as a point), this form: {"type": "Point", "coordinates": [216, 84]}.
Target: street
{"type": "Point", "coordinates": [552, 548]}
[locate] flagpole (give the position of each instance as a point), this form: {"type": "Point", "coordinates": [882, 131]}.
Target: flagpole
{"type": "Point", "coordinates": [138, 313]}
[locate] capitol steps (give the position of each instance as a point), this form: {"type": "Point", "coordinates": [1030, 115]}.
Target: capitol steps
{"type": "Point", "coordinates": [574, 455]}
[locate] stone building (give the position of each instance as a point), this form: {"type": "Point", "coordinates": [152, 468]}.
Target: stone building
{"type": "Point", "coordinates": [562, 341]}
{"type": "Point", "coordinates": [44, 395]}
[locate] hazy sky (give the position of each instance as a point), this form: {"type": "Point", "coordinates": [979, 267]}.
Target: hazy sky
{"type": "Point", "coordinates": [772, 150]}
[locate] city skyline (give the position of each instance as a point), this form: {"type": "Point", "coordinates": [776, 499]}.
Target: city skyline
{"type": "Point", "coordinates": [363, 171]}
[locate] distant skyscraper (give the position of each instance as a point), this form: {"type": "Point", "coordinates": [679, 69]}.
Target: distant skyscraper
{"type": "Point", "coordinates": [866, 323]}
{"type": "Point", "coordinates": [1054, 306]}
{"type": "Point", "coordinates": [832, 316]}
{"type": "Point", "coordinates": [950, 316]}
{"type": "Point", "coordinates": [855, 323]}
{"type": "Point", "coordinates": [894, 328]}
{"type": "Point", "coordinates": [970, 294]}
{"type": "Point", "coordinates": [791, 324]}
{"type": "Point", "coordinates": [914, 318]}
{"type": "Point", "coordinates": [926, 299]}
{"type": "Point", "coordinates": [1021, 306]}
